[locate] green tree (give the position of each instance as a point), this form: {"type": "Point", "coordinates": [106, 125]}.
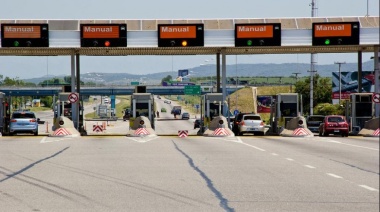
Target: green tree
{"type": "Point", "coordinates": [167, 78]}
{"type": "Point", "coordinates": [322, 91]}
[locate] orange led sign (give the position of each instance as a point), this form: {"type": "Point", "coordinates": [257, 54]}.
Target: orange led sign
{"type": "Point", "coordinates": [254, 31]}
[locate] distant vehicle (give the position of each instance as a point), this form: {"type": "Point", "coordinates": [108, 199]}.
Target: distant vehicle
{"type": "Point", "coordinates": [185, 116]}
{"type": "Point", "coordinates": [23, 122]}
{"type": "Point", "coordinates": [334, 124]}
{"type": "Point", "coordinates": [167, 102]}
{"type": "Point", "coordinates": [158, 97]}
{"type": "Point", "coordinates": [251, 123]}
{"type": "Point", "coordinates": [106, 101]}
{"type": "Point", "coordinates": [127, 115]}
{"type": "Point", "coordinates": [163, 110]}
{"type": "Point", "coordinates": [176, 110]}
{"type": "Point", "coordinates": [197, 123]}
{"type": "Point", "coordinates": [313, 122]}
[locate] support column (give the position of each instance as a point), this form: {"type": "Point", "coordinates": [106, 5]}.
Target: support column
{"type": "Point", "coordinates": [224, 73]}
{"type": "Point", "coordinates": [218, 73]}
{"type": "Point", "coordinates": [360, 71]}
{"type": "Point", "coordinates": [74, 113]}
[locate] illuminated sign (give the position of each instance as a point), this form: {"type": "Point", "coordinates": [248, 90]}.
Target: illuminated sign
{"type": "Point", "coordinates": [336, 33]}
{"type": "Point", "coordinates": [103, 35]}
{"type": "Point", "coordinates": [258, 34]}
{"type": "Point", "coordinates": [24, 35]}
{"type": "Point", "coordinates": [180, 35]}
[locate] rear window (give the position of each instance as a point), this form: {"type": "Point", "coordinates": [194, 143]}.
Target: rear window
{"type": "Point", "coordinates": [335, 119]}
{"type": "Point", "coordinates": [252, 118]}
{"type": "Point", "coordinates": [23, 116]}
{"type": "Point", "coordinates": [316, 118]}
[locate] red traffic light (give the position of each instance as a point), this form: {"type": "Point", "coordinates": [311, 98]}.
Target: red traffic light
{"type": "Point", "coordinates": [107, 43]}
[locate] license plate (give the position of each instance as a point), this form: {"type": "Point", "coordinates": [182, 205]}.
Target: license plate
{"type": "Point", "coordinates": [336, 130]}
{"type": "Point", "coordinates": [252, 129]}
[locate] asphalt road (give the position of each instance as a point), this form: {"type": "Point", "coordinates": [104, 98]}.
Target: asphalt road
{"type": "Point", "coordinates": [167, 173]}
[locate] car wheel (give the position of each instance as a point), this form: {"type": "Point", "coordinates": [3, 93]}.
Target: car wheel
{"type": "Point", "coordinates": [11, 134]}
{"type": "Point", "coordinates": [320, 134]}
{"type": "Point", "coordinates": [36, 133]}
{"type": "Point", "coordinates": [325, 133]}
{"type": "Point", "coordinates": [240, 133]}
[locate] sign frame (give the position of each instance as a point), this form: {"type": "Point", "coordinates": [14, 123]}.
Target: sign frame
{"type": "Point", "coordinates": [23, 39]}
{"type": "Point", "coordinates": [120, 41]}
{"type": "Point", "coordinates": [259, 37]}
{"type": "Point", "coordinates": [177, 41]}
{"type": "Point", "coordinates": [192, 90]}
{"type": "Point", "coordinates": [338, 39]}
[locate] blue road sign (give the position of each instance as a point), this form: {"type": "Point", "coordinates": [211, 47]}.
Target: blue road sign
{"type": "Point", "coordinates": [236, 112]}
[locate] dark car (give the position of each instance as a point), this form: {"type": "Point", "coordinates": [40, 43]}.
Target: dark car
{"type": "Point", "coordinates": [23, 122]}
{"type": "Point", "coordinates": [197, 123]}
{"type": "Point", "coordinates": [334, 124]}
{"type": "Point", "coordinates": [238, 119]}
{"type": "Point", "coordinates": [313, 122]}
{"type": "Point", "coordinates": [127, 115]}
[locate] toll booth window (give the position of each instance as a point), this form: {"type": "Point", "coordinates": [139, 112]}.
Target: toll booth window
{"type": "Point", "coordinates": [364, 109]}
{"type": "Point", "coordinates": [288, 109]}
{"type": "Point", "coordinates": [214, 109]}
{"type": "Point", "coordinates": [142, 109]}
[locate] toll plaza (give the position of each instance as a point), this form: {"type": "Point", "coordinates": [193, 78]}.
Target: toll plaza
{"type": "Point", "coordinates": [76, 38]}
{"type": "Point", "coordinates": [359, 109]}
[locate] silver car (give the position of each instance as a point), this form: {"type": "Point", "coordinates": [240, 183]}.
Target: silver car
{"type": "Point", "coordinates": [23, 122]}
{"type": "Point", "coordinates": [251, 123]}
{"type": "Point", "coordinates": [185, 116]}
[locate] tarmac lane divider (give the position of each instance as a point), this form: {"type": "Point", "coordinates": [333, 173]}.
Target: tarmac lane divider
{"type": "Point", "coordinates": [141, 127]}
{"type": "Point", "coordinates": [218, 128]}
{"type": "Point", "coordinates": [183, 133]}
{"type": "Point", "coordinates": [371, 128]}
{"type": "Point", "coordinates": [64, 127]}
{"type": "Point", "coordinates": [296, 127]}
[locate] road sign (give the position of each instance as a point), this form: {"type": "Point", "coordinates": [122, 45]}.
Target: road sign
{"type": "Point", "coordinates": [336, 33]}
{"type": "Point", "coordinates": [197, 106]}
{"type": "Point", "coordinates": [180, 35]}
{"type": "Point", "coordinates": [236, 112]}
{"type": "Point", "coordinates": [192, 90]}
{"type": "Point", "coordinates": [97, 128]}
{"type": "Point", "coordinates": [135, 83]}
{"type": "Point", "coordinates": [24, 35]}
{"type": "Point", "coordinates": [258, 34]}
{"type": "Point", "coordinates": [376, 98]}
{"type": "Point", "coordinates": [103, 35]}
{"type": "Point", "coordinates": [73, 97]}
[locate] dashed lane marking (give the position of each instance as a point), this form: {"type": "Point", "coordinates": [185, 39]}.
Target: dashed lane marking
{"type": "Point", "coordinates": [334, 175]}
{"type": "Point", "coordinates": [308, 166]}
{"type": "Point", "coordinates": [368, 188]}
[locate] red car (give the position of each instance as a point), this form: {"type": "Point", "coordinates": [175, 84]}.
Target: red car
{"type": "Point", "coordinates": [334, 124]}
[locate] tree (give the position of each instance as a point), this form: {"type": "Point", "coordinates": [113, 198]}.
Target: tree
{"type": "Point", "coordinates": [167, 78]}
{"type": "Point", "coordinates": [322, 91]}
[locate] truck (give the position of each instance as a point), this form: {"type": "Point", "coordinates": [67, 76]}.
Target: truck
{"type": "Point", "coordinates": [176, 110]}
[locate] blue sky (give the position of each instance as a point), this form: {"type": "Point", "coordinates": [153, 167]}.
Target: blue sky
{"type": "Point", "coordinates": [28, 67]}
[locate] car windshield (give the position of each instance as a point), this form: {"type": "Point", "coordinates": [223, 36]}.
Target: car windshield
{"type": "Point", "coordinates": [335, 119]}
{"type": "Point", "coordinates": [252, 118]}
{"type": "Point", "coordinates": [316, 118]}
{"type": "Point", "coordinates": [23, 116]}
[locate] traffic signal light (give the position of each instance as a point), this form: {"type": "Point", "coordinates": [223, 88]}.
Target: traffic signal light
{"type": "Point", "coordinates": [184, 43]}
{"type": "Point", "coordinates": [107, 43]}
{"type": "Point", "coordinates": [327, 41]}
{"type": "Point", "coordinates": [249, 42]}
{"type": "Point", "coordinates": [16, 43]}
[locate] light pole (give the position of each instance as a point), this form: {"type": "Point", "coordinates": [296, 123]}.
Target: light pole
{"type": "Point", "coordinates": [340, 84]}
{"type": "Point", "coordinates": [296, 73]}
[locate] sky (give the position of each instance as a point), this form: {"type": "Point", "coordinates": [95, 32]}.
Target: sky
{"type": "Point", "coordinates": [30, 67]}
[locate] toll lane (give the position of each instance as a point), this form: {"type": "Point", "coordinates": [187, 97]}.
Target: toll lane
{"type": "Point", "coordinates": [167, 173]}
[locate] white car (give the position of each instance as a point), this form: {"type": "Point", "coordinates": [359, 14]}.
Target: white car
{"type": "Point", "coordinates": [251, 123]}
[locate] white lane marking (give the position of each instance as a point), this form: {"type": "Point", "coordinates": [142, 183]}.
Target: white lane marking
{"type": "Point", "coordinates": [338, 142]}
{"type": "Point", "coordinates": [274, 154]}
{"type": "Point", "coordinates": [334, 175]}
{"type": "Point", "coordinates": [368, 188]}
{"type": "Point", "coordinates": [263, 150]}
{"type": "Point", "coordinates": [142, 139]}
{"type": "Point", "coordinates": [43, 140]}
{"type": "Point", "coordinates": [308, 166]}
{"type": "Point", "coordinates": [289, 159]}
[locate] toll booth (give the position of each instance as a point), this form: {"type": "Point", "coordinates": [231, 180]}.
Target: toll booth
{"type": "Point", "coordinates": [286, 107]}
{"type": "Point", "coordinates": [63, 107]}
{"type": "Point", "coordinates": [213, 106]}
{"type": "Point", "coordinates": [5, 114]}
{"type": "Point", "coordinates": [359, 110]}
{"type": "Point", "coordinates": [142, 104]}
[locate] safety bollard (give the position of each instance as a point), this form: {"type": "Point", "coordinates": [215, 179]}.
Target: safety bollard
{"type": "Point", "coordinates": [47, 127]}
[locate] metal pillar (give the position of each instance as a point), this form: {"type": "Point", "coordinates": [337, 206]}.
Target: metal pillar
{"type": "Point", "coordinates": [224, 91]}
{"type": "Point", "coordinates": [217, 72]}
{"type": "Point", "coordinates": [313, 60]}
{"type": "Point", "coordinates": [360, 71]}
{"type": "Point", "coordinates": [74, 112]}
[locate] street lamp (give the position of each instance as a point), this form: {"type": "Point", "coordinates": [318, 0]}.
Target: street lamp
{"type": "Point", "coordinates": [340, 86]}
